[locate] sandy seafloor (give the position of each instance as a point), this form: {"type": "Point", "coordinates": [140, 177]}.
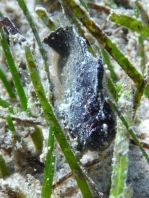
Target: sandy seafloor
{"type": "Point", "coordinates": [21, 157]}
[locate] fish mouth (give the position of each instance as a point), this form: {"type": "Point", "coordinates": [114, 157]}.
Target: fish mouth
{"type": "Point", "coordinates": [99, 135]}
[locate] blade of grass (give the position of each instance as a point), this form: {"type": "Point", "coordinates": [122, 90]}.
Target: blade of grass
{"type": "Point", "coordinates": [110, 78]}
{"type": "Point", "coordinates": [98, 7]}
{"type": "Point", "coordinates": [13, 70]}
{"type": "Point", "coordinates": [112, 89]}
{"type": "Point", "coordinates": [142, 53]}
{"type": "Point", "coordinates": [136, 10]}
{"type": "Point", "coordinates": [119, 86]}
{"type": "Point", "coordinates": [37, 138]}
{"type": "Point", "coordinates": [130, 129]}
{"type": "Point", "coordinates": [84, 4]}
{"type": "Point", "coordinates": [45, 17]}
{"type": "Point", "coordinates": [146, 92]}
{"type": "Point", "coordinates": [10, 123]}
{"type": "Point", "coordinates": [110, 67]}
{"type": "Point", "coordinates": [27, 14]}
{"type": "Point", "coordinates": [142, 29]}
{"type": "Point", "coordinates": [120, 162]}
{"type": "Point", "coordinates": [49, 167]}
{"type": "Point", "coordinates": [7, 84]}
{"type": "Point", "coordinates": [51, 118]}
{"type": "Point", "coordinates": [138, 94]}
{"type": "Point", "coordinates": [49, 179]}
{"type": "Point", "coordinates": [3, 168]}
{"type": "Point", "coordinates": [130, 23]}
{"type": "Point", "coordinates": [111, 48]}
{"type": "Point", "coordinates": [5, 104]}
